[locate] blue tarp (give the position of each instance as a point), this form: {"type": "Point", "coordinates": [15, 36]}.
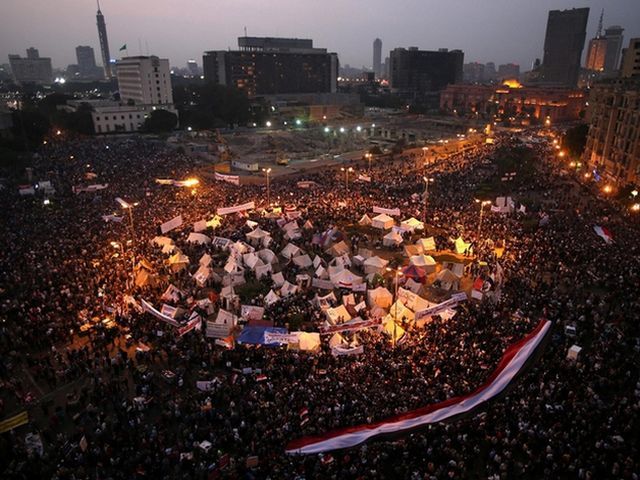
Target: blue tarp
{"type": "Point", "coordinates": [255, 335]}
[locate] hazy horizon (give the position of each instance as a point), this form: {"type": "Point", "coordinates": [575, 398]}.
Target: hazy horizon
{"type": "Point", "coordinates": [500, 31]}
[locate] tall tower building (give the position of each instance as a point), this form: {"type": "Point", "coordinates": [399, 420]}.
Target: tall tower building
{"type": "Point", "coordinates": [377, 57]}
{"type": "Point", "coordinates": [104, 43]}
{"type": "Point", "coordinates": [614, 37]}
{"type": "Point", "coordinates": [563, 44]}
{"type": "Point", "coordinates": [597, 49]}
{"type": "Point", "coordinates": [86, 60]}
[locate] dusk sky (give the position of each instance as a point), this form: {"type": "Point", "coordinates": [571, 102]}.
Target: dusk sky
{"type": "Point", "coordinates": [486, 30]}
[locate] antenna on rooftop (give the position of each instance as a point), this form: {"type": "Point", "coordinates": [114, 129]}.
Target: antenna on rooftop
{"type": "Point", "coordinates": [600, 24]}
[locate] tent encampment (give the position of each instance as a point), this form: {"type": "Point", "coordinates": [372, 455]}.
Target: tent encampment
{"type": "Point", "coordinates": [365, 221]}
{"type": "Point", "coordinates": [461, 246]}
{"type": "Point", "coordinates": [392, 239]}
{"type": "Point", "coordinates": [426, 262]}
{"type": "Point", "coordinates": [198, 238]}
{"type": "Point", "coordinates": [412, 224]}
{"type": "Point", "coordinates": [375, 265]}
{"type": "Point", "coordinates": [290, 250]}
{"type": "Point", "coordinates": [382, 221]}
{"type": "Point", "coordinates": [380, 297]}
{"type": "Point", "coordinates": [447, 279]}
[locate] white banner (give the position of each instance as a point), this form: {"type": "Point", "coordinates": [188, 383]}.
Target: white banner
{"type": "Point", "coordinates": [234, 179]}
{"type": "Point", "coordinates": [218, 330]}
{"type": "Point", "coordinates": [366, 178]}
{"type": "Point", "coordinates": [339, 350]}
{"type": "Point", "coordinates": [452, 302]}
{"type": "Point", "coordinates": [389, 211]}
{"type": "Point", "coordinates": [171, 224]}
{"type": "Point", "coordinates": [236, 208]}
{"type": "Point", "coordinates": [306, 184]}
{"type": "Point", "coordinates": [282, 338]}
{"type": "Point", "coordinates": [323, 284]}
{"type": "Point", "coordinates": [149, 308]}
{"type": "Point", "coordinates": [207, 385]}
{"type": "Point", "coordinates": [249, 312]}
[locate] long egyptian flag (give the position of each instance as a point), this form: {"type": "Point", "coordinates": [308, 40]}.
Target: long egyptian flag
{"type": "Point", "coordinates": [512, 363]}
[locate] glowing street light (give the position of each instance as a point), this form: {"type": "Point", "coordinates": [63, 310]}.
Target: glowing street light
{"type": "Point", "coordinates": [129, 207]}
{"type": "Point", "coordinates": [482, 204]}
{"type": "Point", "coordinates": [191, 182]}
{"type": "Point", "coordinates": [635, 207]}
{"type": "Point", "coordinates": [298, 122]}
{"type": "Point", "coordinates": [327, 129]}
{"type": "Point", "coordinates": [346, 176]}
{"type": "Point", "coordinates": [398, 274]}
{"type": "Point", "coordinates": [607, 189]}
{"type": "Point", "coordinates": [427, 181]}
{"type": "Point", "coordinates": [368, 157]}
{"type": "Point", "coordinates": [267, 171]}
{"type": "Point", "coordinates": [341, 129]}
{"type": "Point", "coordinates": [268, 124]}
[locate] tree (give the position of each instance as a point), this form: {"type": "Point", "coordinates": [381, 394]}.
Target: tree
{"type": "Point", "coordinates": [160, 121]}
{"type": "Point", "coordinates": [575, 139]}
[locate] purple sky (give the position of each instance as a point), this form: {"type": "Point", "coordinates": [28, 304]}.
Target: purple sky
{"type": "Point", "coordinates": [486, 30]}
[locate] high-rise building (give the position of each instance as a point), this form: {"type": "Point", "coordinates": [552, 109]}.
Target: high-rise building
{"type": "Point", "coordinates": [33, 69]}
{"type": "Point", "coordinates": [377, 57]}
{"type": "Point", "coordinates": [414, 71]}
{"type": "Point", "coordinates": [596, 54]}
{"type": "Point", "coordinates": [104, 44]}
{"type": "Point", "coordinates": [473, 72]}
{"type": "Point", "coordinates": [630, 66]}
{"type": "Point", "coordinates": [490, 72]}
{"type": "Point", "coordinates": [613, 141]}
{"type": "Point", "coordinates": [192, 65]}
{"type": "Point", "coordinates": [508, 70]}
{"type": "Point", "coordinates": [87, 68]}
{"type": "Point", "coordinates": [614, 37]}
{"type": "Point", "coordinates": [563, 44]}
{"type": "Point", "coordinates": [267, 66]}
{"type": "Point", "coordinates": [144, 80]}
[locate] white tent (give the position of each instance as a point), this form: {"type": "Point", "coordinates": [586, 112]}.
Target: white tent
{"type": "Point", "coordinates": [267, 256]}
{"type": "Point", "coordinates": [200, 225]}
{"type": "Point", "coordinates": [252, 260]}
{"type": "Point", "coordinates": [395, 331]}
{"type": "Point", "coordinates": [426, 262]}
{"type": "Point", "coordinates": [198, 238]}
{"type": "Point", "coordinates": [461, 245]}
{"type": "Point", "coordinates": [342, 261]}
{"type": "Point", "coordinates": [227, 292]}
{"type": "Point", "coordinates": [232, 266]}
{"type": "Point", "coordinates": [399, 312]}
{"type": "Point", "coordinates": [412, 285]}
{"type": "Point", "coordinates": [382, 221]}
{"type": "Point", "coordinates": [257, 237]}
{"type": "Point", "coordinates": [202, 275]}
{"type": "Point", "coordinates": [380, 297]}
{"type": "Point", "coordinates": [345, 279]}
{"type": "Point", "coordinates": [263, 271]}
{"type": "Point", "coordinates": [337, 315]}
{"type": "Point", "coordinates": [392, 239]}
{"type": "Point", "coordinates": [288, 289]}
{"type": "Point", "coordinates": [290, 250]}
{"type": "Point", "coordinates": [271, 298]}
{"type": "Point", "coordinates": [448, 280]}
{"type": "Point", "coordinates": [303, 261]}
{"type": "Point", "coordinates": [308, 342]}
{"type": "Point", "coordinates": [365, 221]}
{"type": "Point", "coordinates": [308, 225]}
{"type": "Point", "coordinates": [339, 249]}
{"type": "Point", "coordinates": [278, 279]}
{"type": "Point", "coordinates": [412, 224]}
{"type": "Point", "coordinates": [205, 260]}
{"type": "Point", "coordinates": [321, 272]}
{"type": "Point", "coordinates": [336, 339]}
{"type": "Point", "coordinates": [375, 265]}
{"type": "Point", "coordinates": [426, 244]}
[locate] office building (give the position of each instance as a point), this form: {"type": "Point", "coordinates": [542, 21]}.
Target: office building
{"type": "Point", "coordinates": [508, 70]}
{"type": "Point", "coordinates": [32, 69]}
{"type": "Point", "coordinates": [473, 72]}
{"type": "Point", "coordinates": [87, 68]}
{"type": "Point", "coordinates": [596, 54]}
{"type": "Point", "coordinates": [144, 80]}
{"type": "Point", "coordinates": [377, 57]}
{"type": "Point", "coordinates": [630, 66]}
{"type": "Point", "coordinates": [104, 44]}
{"type": "Point", "coordinates": [614, 38]}
{"type": "Point", "coordinates": [613, 141]}
{"type": "Point", "coordinates": [416, 72]}
{"type": "Point", "coordinates": [490, 73]}
{"type": "Point", "coordinates": [268, 66]}
{"type": "Point", "coordinates": [193, 68]}
{"type": "Point", "coordinates": [563, 44]}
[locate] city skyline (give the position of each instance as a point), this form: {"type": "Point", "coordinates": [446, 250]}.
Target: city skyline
{"type": "Point", "coordinates": [479, 31]}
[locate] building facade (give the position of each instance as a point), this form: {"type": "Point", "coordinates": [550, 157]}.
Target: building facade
{"type": "Point", "coordinates": [613, 141]}
{"type": "Point", "coordinates": [614, 37]}
{"type": "Point", "coordinates": [87, 68]}
{"type": "Point", "coordinates": [596, 54]}
{"type": "Point", "coordinates": [33, 69]}
{"type": "Point", "coordinates": [509, 70]}
{"type": "Point", "coordinates": [512, 100]}
{"type": "Point", "coordinates": [563, 44]}
{"type": "Point", "coordinates": [630, 66]}
{"type": "Point", "coordinates": [269, 66]}
{"type": "Point", "coordinates": [377, 58]}
{"type": "Point", "coordinates": [416, 72]}
{"type": "Point", "coordinates": [144, 80]}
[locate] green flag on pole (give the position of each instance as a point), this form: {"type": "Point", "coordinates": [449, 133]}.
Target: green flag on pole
{"type": "Point", "coordinates": [123, 47]}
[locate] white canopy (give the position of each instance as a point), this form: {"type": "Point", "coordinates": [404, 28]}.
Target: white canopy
{"type": "Point", "coordinates": [382, 221]}
{"type": "Point", "coordinates": [303, 261]}
{"type": "Point", "coordinates": [426, 262]}
{"type": "Point", "coordinates": [159, 241]}
{"type": "Point", "coordinates": [412, 224]}
{"type": "Point", "coordinates": [288, 289]}
{"type": "Point", "coordinates": [290, 250]}
{"type": "Point", "coordinates": [375, 265]}
{"type": "Point", "coordinates": [345, 279]}
{"type": "Point", "coordinates": [263, 271]}
{"type": "Point", "coordinates": [232, 266]}
{"type": "Point", "coordinates": [337, 315]}
{"type": "Point", "coordinates": [365, 221]}
{"type": "Point", "coordinates": [448, 280]}
{"type": "Point", "coordinates": [398, 312]}
{"type": "Point", "coordinates": [257, 236]}
{"type": "Point", "coordinates": [267, 256]}
{"type": "Point", "coordinates": [252, 260]}
{"type": "Point", "coordinates": [278, 279]}
{"type": "Point", "coordinates": [202, 275]}
{"type": "Point", "coordinates": [339, 249]}
{"type": "Point", "coordinates": [271, 298]}
{"type": "Point", "coordinates": [198, 238]}
{"type": "Point", "coordinates": [392, 239]}
{"type": "Point", "coordinates": [380, 297]}
{"type": "Point", "coordinates": [426, 244]}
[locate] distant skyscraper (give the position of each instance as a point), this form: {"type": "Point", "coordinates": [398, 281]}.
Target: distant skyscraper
{"type": "Point", "coordinates": [490, 71]}
{"type": "Point", "coordinates": [563, 44]}
{"type": "Point", "coordinates": [508, 71]}
{"type": "Point", "coordinates": [377, 57]}
{"type": "Point", "coordinates": [414, 71]}
{"type": "Point", "coordinates": [104, 43]}
{"type": "Point", "coordinates": [192, 65]}
{"type": "Point", "coordinates": [87, 67]}
{"type": "Point", "coordinates": [614, 37]}
{"type": "Point", "coordinates": [33, 53]}
{"type": "Point", "coordinates": [597, 49]}
{"type": "Point", "coordinates": [33, 69]}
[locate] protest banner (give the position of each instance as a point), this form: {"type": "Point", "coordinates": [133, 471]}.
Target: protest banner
{"type": "Point", "coordinates": [171, 224]}
{"type": "Point", "coordinates": [389, 211]}
{"type": "Point", "coordinates": [233, 179]}
{"type": "Point", "coordinates": [350, 327]}
{"type": "Point", "coordinates": [235, 208]}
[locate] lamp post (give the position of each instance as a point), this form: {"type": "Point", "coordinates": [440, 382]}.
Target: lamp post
{"type": "Point", "coordinates": [346, 176]}
{"type": "Point", "coordinates": [368, 157]}
{"type": "Point", "coordinates": [482, 204]}
{"type": "Point", "coordinates": [268, 171]}
{"type": "Point", "coordinates": [129, 207]}
{"type": "Point", "coordinates": [424, 155]}
{"type": "Point", "coordinates": [115, 244]}
{"type": "Point", "coordinates": [398, 273]}
{"type": "Point", "coordinates": [427, 180]}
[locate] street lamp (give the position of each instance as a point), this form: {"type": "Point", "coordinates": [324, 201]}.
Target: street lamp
{"type": "Point", "coordinates": [427, 181]}
{"type": "Point", "coordinates": [129, 207]}
{"type": "Point", "coordinates": [346, 176]}
{"type": "Point", "coordinates": [482, 204]}
{"type": "Point", "coordinates": [424, 153]}
{"type": "Point", "coordinates": [398, 273]}
{"type": "Point", "coordinates": [268, 171]}
{"type": "Point", "coordinates": [368, 157]}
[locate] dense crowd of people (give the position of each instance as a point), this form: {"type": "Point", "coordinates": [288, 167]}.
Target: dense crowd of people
{"type": "Point", "coordinates": [103, 407]}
